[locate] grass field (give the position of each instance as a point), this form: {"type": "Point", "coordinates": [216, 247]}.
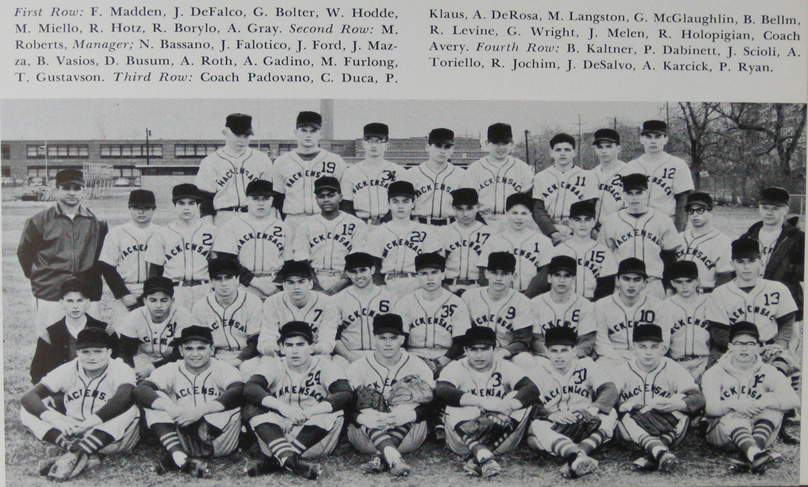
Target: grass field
{"type": "Point", "coordinates": [433, 465]}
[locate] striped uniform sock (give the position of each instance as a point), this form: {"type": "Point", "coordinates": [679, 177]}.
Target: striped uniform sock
{"type": "Point", "coordinates": [272, 435]}
{"type": "Point", "coordinates": [93, 442]}
{"type": "Point", "coordinates": [380, 438]}
{"type": "Point", "coordinates": [742, 438]}
{"type": "Point", "coordinates": [653, 445]}
{"type": "Point", "coordinates": [592, 442]}
{"type": "Point", "coordinates": [308, 437]}
{"type": "Point", "coordinates": [564, 447]}
{"type": "Point", "coordinates": [762, 432]}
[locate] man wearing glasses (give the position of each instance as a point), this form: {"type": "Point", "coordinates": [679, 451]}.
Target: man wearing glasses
{"type": "Point", "coordinates": [704, 244]}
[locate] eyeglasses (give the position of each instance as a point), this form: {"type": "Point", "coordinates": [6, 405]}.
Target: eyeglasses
{"type": "Point", "coordinates": [697, 211]}
{"type": "Point", "coordinates": [744, 344]}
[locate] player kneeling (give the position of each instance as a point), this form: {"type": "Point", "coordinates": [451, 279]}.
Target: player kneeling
{"type": "Point", "coordinates": [193, 406]}
{"type": "Point", "coordinates": [746, 399]}
{"type": "Point", "coordinates": [657, 395]}
{"type": "Point", "coordinates": [577, 413]}
{"type": "Point", "coordinates": [85, 429]}
{"type": "Point", "coordinates": [301, 398]}
{"type": "Point", "coordinates": [488, 403]}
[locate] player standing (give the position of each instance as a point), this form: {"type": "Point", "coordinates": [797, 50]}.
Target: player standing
{"type": "Point", "coordinates": [704, 244]}
{"type": "Point", "coordinates": [608, 173]}
{"type": "Point", "coordinates": [686, 314]}
{"type": "Point", "coordinates": [463, 242]}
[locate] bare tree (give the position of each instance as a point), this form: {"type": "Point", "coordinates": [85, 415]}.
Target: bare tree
{"type": "Point", "coordinates": [702, 135]}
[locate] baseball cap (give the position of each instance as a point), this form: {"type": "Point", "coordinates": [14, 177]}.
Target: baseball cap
{"type": "Point", "coordinates": [606, 135]}
{"type": "Point", "coordinates": [195, 332]}
{"type": "Point", "coordinates": [400, 188]}
{"type": "Point", "coordinates": [430, 260]}
{"type": "Point", "coordinates": [358, 259]}
{"type": "Point", "coordinates": [515, 199]}
{"type": "Point", "coordinates": [582, 208]}
{"type": "Point", "coordinates": [295, 268]}
{"type": "Point", "coordinates": [479, 335]}
{"type": "Point", "coordinates": [73, 285]}
{"type": "Point", "coordinates": [655, 127]}
{"type": "Point", "coordinates": [562, 263]}
{"type": "Point", "coordinates": [92, 337]}
{"type": "Point", "coordinates": [501, 261]}
{"type": "Point", "coordinates": [632, 265]}
{"type": "Point", "coordinates": [327, 182]}
{"type": "Point", "coordinates": [296, 329]}
{"type": "Point", "coordinates": [774, 195]}
{"type": "Point", "coordinates": [224, 266]}
{"type": "Point", "coordinates": [441, 136]}
{"type": "Point", "coordinates": [745, 248]}
{"type": "Point", "coordinates": [158, 284]}
{"type": "Point", "coordinates": [388, 323]}
{"type": "Point", "coordinates": [239, 124]}
{"type": "Point", "coordinates": [635, 181]}
{"type": "Point", "coordinates": [465, 196]}
{"type": "Point", "coordinates": [259, 187]}
{"type": "Point", "coordinates": [185, 190]}
{"type": "Point", "coordinates": [560, 335]}
{"type": "Point", "coordinates": [500, 133]}
{"type": "Point", "coordinates": [309, 119]}
{"type": "Point", "coordinates": [743, 328]}
{"type": "Point", "coordinates": [376, 129]}
{"type": "Point", "coordinates": [683, 269]}
{"type": "Point", "coordinates": [560, 138]}
{"type": "Point", "coordinates": [141, 198]}
{"type": "Point", "coordinates": [69, 176]}
{"type": "Point", "coordinates": [699, 199]}
{"type": "Point", "coordinates": [647, 333]}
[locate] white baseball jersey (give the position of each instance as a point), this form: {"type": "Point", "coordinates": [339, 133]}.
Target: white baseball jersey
{"type": "Point", "coordinates": [192, 390]}
{"type": "Point", "coordinates": [182, 251]}
{"type": "Point", "coordinates": [593, 260]}
{"type": "Point", "coordinates": [231, 326]}
{"type": "Point", "coordinates": [320, 312]}
{"type": "Point", "coordinates": [530, 247]}
{"type": "Point", "coordinates": [367, 371]}
{"type": "Point", "coordinates": [155, 338]}
{"type": "Point", "coordinates": [712, 253]}
{"type": "Point", "coordinates": [227, 175]}
{"type": "Point", "coordinates": [326, 242]}
{"type": "Point", "coordinates": [577, 313]}
{"type": "Point", "coordinates": [303, 389]}
{"type": "Point", "coordinates": [463, 247]}
{"type": "Point", "coordinates": [433, 198]}
{"type": "Point", "coordinates": [295, 178]}
{"type": "Point", "coordinates": [690, 330]}
{"type": "Point", "coordinates": [559, 190]}
{"type": "Point", "coordinates": [125, 249]}
{"type": "Point", "coordinates": [766, 302]}
{"type": "Point", "coordinates": [637, 387]}
{"type": "Point", "coordinates": [398, 246]}
{"type": "Point", "coordinates": [609, 189]}
{"type": "Point", "coordinates": [616, 321]}
{"type": "Point", "coordinates": [260, 244]}
{"type": "Point", "coordinates": [366, 183]}
{"type": "Point", "coordinates": [643, 237]}
{"type": "Point", "coordinates": [432, 324]}
{"type": "Point", "coordinates": [666, 179]}
{"type": "Point", "coordinates": [494, 182]}
{"type": "Point", "coordinates": [512, 312]}
{"type": "Point", "coordinates": [570, 391]}
{"type": "Point", "coordinates": [84, 396]}
{"type": "Point", "coordinates": [500, 379]}
{"type": "Point", "coordinates": [723, 382]}
{"type": "Point", "coordinates": [357, 310]}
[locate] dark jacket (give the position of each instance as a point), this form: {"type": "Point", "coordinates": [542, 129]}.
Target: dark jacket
{"type": "Point", "coordinates": [54, 248]}
{"type": "Point", "coordinates": [57, 346]}
{"type": "Point", "coordinates": [787, 262]}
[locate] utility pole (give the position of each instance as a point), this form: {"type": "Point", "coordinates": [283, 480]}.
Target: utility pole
{"type": "Point", "coordinates": [580, 141]}
{"type": "Point", "coordinates": [527, 148]}
{"type": "Point", "coordinates": [148, 149]}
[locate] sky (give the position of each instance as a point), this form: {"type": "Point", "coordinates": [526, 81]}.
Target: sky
{"type": "Point", "coordinates": [62, 119]}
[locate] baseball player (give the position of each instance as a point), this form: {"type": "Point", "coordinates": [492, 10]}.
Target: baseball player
{"type": "Point", "coordinates": [704, 244]}
{"type": "Point", "coordinates": [435, 179]}
{"type": "Point", "coordinates": [233, 315]}
{"type": "Point", "coordinates": [484, 383]}
{"type": "Point", "coordinates": [146, 335]}
{"type": "Point", "coordinates": [325, 239]}
{"type": "Point", "coordinates": [572, 390]}
{"type": "Point", "coordinates": [500, 307]}
{"type": "Point", "coordinates": [298, 302]}
{"type": "Point", "coordinates": [301, 398]}
{"type": "Point", "coordinates": [746, 399]}
{"type": "Point", "coordinates": [259, 240]}
{"type": "Point", "coordinates": [224, 175]}
{"type": "Point", "coordinates": [193, 405]}
{"type": "Point", "coordinates": [99, 415]}
{"type": "Point", "coordinates": [296, 171]}
{"type": "Point", "coordinates": [498, 175]}
{"type": "Point", "coordinates": [532, 250]}
{"type": "Point", "coordinates": [670, 176]}
{"type": "Point", "coordinates": [607, 174]}
{"type": "Point", "coordinates": [593, 258]}
{"type": "Point", "coordinates": [123, 256]}
{"type": "Point", "coordinates": [628, 308]}
{"type": "Point", "coordinates": [403, 429]}
{"type": "Point", "coordinates": [366, 182]}
{"type": "Point", "coordinates": [463, 242]}
{"type": "Point", "coordinates": [686, 314]}
{"type": "Point", "coordinates": [559, 186]}
{"type": "Point", "coordinates": [358, 304]}
{"type": "Point", "coordinates": [181, 249]}
{"type": "Point", "coordinates": [397, 242]}
{"type": "Point", "coordinates": [642, 232]}
{"type": "Point", "coordinates": [433, 317]}
{"type": "Point", "coordinates": [654, 388]}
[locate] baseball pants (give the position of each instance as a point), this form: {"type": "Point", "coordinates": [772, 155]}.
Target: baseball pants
{"type": "Point", "coordinates": [124, 429]}
{"type": "Point", "coordinates": [455, 415]}
{"type": "Point", "coordinates": [541, 435]}
{"type": "Point", "coordinates": [228, 422]}
{"type": "Point", "coordinates": [719, 431]}
{"type": "Point", "coordinates": [415, 437]}
{"type": "Point", "coordinates": [331, 422]}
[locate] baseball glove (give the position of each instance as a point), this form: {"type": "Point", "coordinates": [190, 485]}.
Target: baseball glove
{"type": "Point", "coordinates": [67, 466]}
{"type": "Point", "coordinates": [587, 424]}
{"type": "Point", "coordinates": [410, 390]}
{"type": "Point", "coordinates": [368, 397]}
{"type": "Point", "coordinates": [655, 422]}
{"type": "Point", "coordinates": [487, 428]}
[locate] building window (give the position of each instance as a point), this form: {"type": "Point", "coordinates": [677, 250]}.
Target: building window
{"type": "Point", "coordinates": [131, 151]}
{"type": "Point", "coordinates": [58, 151]}
{"type": "Point", "coordinates": [194, 150]}
{"type": "Point", "coordinates": [6, 154]}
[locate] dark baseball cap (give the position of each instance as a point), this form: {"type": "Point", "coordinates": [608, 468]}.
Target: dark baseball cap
{"type": "Point", "coordinates": [745, 248]}
{"type": "Point", "coordinates": [654, 126]}
{"type": "Point", "coordinates": [195, 332]}
{"type": "Point", "coordinates": [224, 266]}
{"type": "Point", "coordinates": [158, 284]}
{"type": "Point", "coordinates": [430, 260]}
{"type": "Point", "coordinates": [479, 335]}
{"type": "Point", "coordinates": [647, 333]}
{"type": "Point", "coordinates": [606, 135]}
{"type": "Point", "coordinates": [582, 208]}
{"type": "Point", "coordinates": [743, 328]}
{"type": "Point", "coordinates": [465, 196]}
{"type": "Point", "coordinates": [309, 119]}
{"type": "Point", "coordinates": [93, 337]}
{"type": "Point", "coordinates": [239, 124]}
{"type": "Point", "coordinates": [357, 260]}
{"type": "Point", "coordinates": [632, 265]}
{"type": "Point", "coordinates": [327, 182]}
{"type": "Point", "coordinates": [376, 129]}
{"type": "Point", "coordinates": [142, 198]}
{"type": "Point", "coordinates": [295, 268]}
{"type": "Point", "coordinates": [635, 181]}
{"type": "Point", "coordinates": [297, 329]}
{"type": "Point", "coordinates": [501, 261]}
{"type": "Point", "coordinates": [562, 263]}
{"type": "Point", "coordinates": [185, 190]}
{"type": "Point", "coordinates": [560, 335]}
{"type": "Point", "coordinates": [683, 269]}
{"type": "Point", "coordinates": [400, 188]}
{"type": "Point", "coordinates": [73, 285]}
{"type": "Point", "coordinates": [560, 138]}
{"type": "Point", "coordinates": [69, 176]}
{"type": "Point", "coordinates": [441, 136]}
{"type": "Point", "coordinates": [523, 199]}
{"type": "Point", "coordinates": [774, 196]}
{"type": "Point", "coordinates": [500, 133]}
{"type": "Point", "coordinates": [259, 187]}
{"type": "Point", "coordinates": [699, 199]}
{"type": "Point", "coordinates": [388, 323]}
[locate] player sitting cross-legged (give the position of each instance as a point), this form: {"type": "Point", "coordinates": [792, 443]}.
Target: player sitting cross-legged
{"type": "Point", "coordinates": [488, 403]}
{"type": "Point", "coordinates": [577, 398]}
{"type": "Point", "coordinates": [193, 405]}
{"type": "Point", "coordinates": [300, 398]}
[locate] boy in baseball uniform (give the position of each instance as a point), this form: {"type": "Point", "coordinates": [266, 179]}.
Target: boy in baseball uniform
{"type": "Point", "coordinates": [704, 244]}
{"type": "Point", "coordinates": [652, 389]}
{"type": "Point", "coordinates": [123, 256]}
{"type": "Point", "coordinates": [180, 250]}
{"type": "Point", "coordinates": [259, 240]}
{"type": "Point", "coordinates": [498, 175]}
{"type": "Point", "coordinates": [572, 390]}
{"type": "Point", "coordinates": [301, 398]}
{"type": "Point", "coordinates": [686, 314]}
{"type": "Point", "coordinates": [325, 239]}
{"type": "Point", "coordinates": [559, 186]}
{"type": "Point", "coordinates": [193, 405]}
{"type": "Point", "coordinates": [296, 171]}
{"type": "Point", "coordinates": [746, 399]}
{"type": "Point", "coordinates": [85, 429]}
{"type": "Point", "coordinates": [365, 183]}
{"type": "Point", "coordinates": [608, 184]}
{"type": "Point", "coordinates": [224, 175]}
{"type": "Point", "coordinates": [463, 242]}
{"type": "Point", "coordinates": [481, 384]}
{"type": "Point", "coordinates": [403, 429]}
{"type": "Point", "coordinates": [670, 176]}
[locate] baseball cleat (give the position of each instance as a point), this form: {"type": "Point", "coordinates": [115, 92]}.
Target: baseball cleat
{"type": "Point", "coordinates": [164, 464]}
{"type": "Point", "coordinates": [583, 464]}
{"type": "Point", "coordinates": [644, 464]}
{"type": "Point", "coordinates": [668, 462]}
{"type": "Point", "coordinates": [195, 468]}
{"type": "Point", "coordinates": [67, 466]}
{"type": "Point", "coordinates": [375, 465]}
{"type": "Point", "coordinates": [45, 465]}
{"type": "Point", "coordinates": [263, 466]}
{"type": "Point", "coordinates": [301, 468]}
{"type": "Point", "coordinates": [764, 459]}
{"type": "Point", "coordinates": [472, 468]}
{"type": "Point", "coordinates": [490, 468]}
{"type": "Point", "coordinates": [399, 468]}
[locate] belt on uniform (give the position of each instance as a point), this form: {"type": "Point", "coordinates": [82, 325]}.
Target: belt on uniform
{"type": "Point", "coordinates": [240, 209]}
{"type": "Point", "coordinates": [690, 357]}
{"type": "Point", "coordinates": [460, 282]}
{"type": "Point", "coordinates": [327, 272]}
{"type": "Point", "coordinates": [435, 221]}
{"type": "Point", "coordinates": [191, 282]}
{"type": "Point", "coordinates": [705, 290]}
{"type": "Point", "coordinates": [399, 275]}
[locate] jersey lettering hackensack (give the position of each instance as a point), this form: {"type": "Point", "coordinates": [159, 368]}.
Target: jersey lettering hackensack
{"type": "Point", "coordinates": [230, 325]}
{"type": "Point", "coordinates": [494, 181]}
{"type": "Point", "coordinates": [367, 371]}
{"type": "Point", "coordinates": [463, 246]}
{"type": "Point", "coordinates": [637, 387]}
{"type": "Point", "coordinates": [666, 179]}
{"type": "Point", "coordinates": [609, 189]}
{"type": "Point", "coordinates": [512, 312]}
{"type": "Point", "coordinates": [261, 244]}
{"type": "Point", "coordinates": [432, 324]}
{"type": "Point", "coordinates": [193, 390]}
{"type": "Point", "coordinates": [357, 310]}
{"type": "Point", "coordinates": [499, 380]}
{"type": "Point", "coordinates": [759, 382]}
{"type": "Point", "coordinates": [530, 247]}
{"type": "Point", "coordinates": [326, 242]}
{"type": "Point", "coordinates": [559, 190]}
{"type": "Point", "coordinates": [155, 338]}
{"type": "Point", "coordinates": [397, 245]}
{"type": "Point", "coordinates": [762, 305]}
{"type": "Point", "coordinates": [295, 178]}
{"type": "Point", "coordinates": [690, 330]}
{"type": "Point", "coordinates": [182, 251]}
{"type": "Point", "coordinates": [577, 313]}
{"type": "Point", "coordinates": [227, 175]}
{"type": "Point", "coordinates": [365, 184]}
{"type": "Point", "coordinates": [570, 391]}
{"type": "Point", "coordinates": [616, 321]}
{"type": "Point", "coordinates": [320, 312]}
{"type": "Point", "coordinates": [433, 198]}
{"type": "Point", "coordinates": [304, 388]}
{"type": "Point", "coordinates": [84, 395]}
{"type": "Point", "coordinates": [711, 252]}
{"type": "Point", "coordinates": [125, 249]}
{"type": "Point", "coordinates": [593, 259]}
